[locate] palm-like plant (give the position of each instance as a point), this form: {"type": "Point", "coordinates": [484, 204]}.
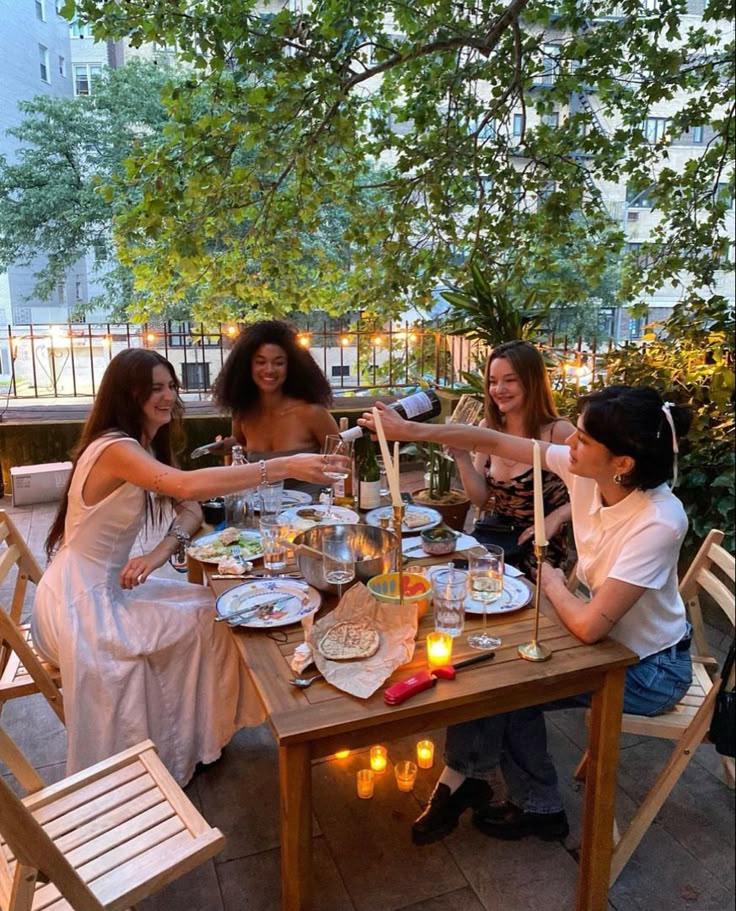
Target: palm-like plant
{"type": "Point", "coordinates": [494, 313]}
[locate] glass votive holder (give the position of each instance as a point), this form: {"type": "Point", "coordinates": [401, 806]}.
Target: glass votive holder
{"type": "Point", "coordinates": [364, 781]}
{"type": "Point", "coordinates": [379, 759]}
{"type": "Point", "coordinates": [425, 754]}
{"type": "Point", "coordinates": [439, 649]}
{"type": "Point", "coordinates": [406, 774]}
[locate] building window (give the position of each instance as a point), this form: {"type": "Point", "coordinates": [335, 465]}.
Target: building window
{"type": "Point", "coordinates": [78, 30]}
{"type": "Point", "coordinates": [62, 66]}
{"type": "Point", "coordinates": [639, 199]}
{"type": "Point", "coordinates": [41, 10]}
{"type": "Point", "coordinates": [85, 78]}
{"type": "Point", "coordinates": [195, 376]}
{"type": "Point", "coordinates": [654, 128]}
{"type": "Point", "coordinates": [341, 370]}
{"type": "Point", "coordinates": [43, 62]}
{"type": "Point", "coordinates": [696, 134]}
{"type": "Point", "coordinates": [518, 125]}
{"type": "Point", "coordinates": [551, 120]}
{"type": "Point", "coordinates": [550, 62]}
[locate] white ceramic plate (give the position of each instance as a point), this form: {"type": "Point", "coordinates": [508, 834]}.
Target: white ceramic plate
{"type": "Point", "coordinates": [289, 498]}
{"type": "Point", "coordinates": [209, 548]}
{"type": "Point", "coordinates": [315, 515]}
{"type": "Point", "coordinates": [294, 600]}
{"type": "Point", "coordinates": [516, 594]}
{"type": "Point", "coordinates": [432, 517]}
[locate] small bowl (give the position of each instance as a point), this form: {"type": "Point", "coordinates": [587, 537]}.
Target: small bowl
{"type": "Point", "coordinates": [213, 511]}
{"type": "Point", "coordinates": [416, 590]}
{"type": "Point", "coordinates": [438, 541]}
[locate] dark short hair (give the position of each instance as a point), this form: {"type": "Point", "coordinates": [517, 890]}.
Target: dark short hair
{"type": "Point", "coordinates": [234, 389]}
{"type": "Point", "coordinates": [630, 420]}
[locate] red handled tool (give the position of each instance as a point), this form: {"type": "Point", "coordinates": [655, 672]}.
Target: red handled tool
{"type": "Point", "coordinates": [424, 680]}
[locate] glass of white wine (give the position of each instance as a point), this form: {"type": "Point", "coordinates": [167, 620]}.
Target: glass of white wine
{"type": "Point", "coordinates": [336, 468]}
{"type": "Point", "coordinates": [485, 584]}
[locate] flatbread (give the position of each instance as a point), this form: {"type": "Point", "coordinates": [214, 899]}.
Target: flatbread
{"type": "Point", "coordinates": [349, 640]}
{"type": "Point", "coordinates": [415, 519]}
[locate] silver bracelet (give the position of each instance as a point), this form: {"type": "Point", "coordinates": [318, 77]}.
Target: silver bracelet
{"type": "Point", "coordinates": [182, 538]}
{"type": "Point", "coordinates": [264, 474]}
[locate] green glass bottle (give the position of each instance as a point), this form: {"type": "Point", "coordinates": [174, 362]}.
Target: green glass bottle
{"type": "Point", "coordinates": [369, 475]}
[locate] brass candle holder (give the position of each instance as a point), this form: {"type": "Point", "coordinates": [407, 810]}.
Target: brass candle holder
{"type": "Point", "coordinates": [534, 650]}
{"type": "Point", "coordinates": [398, 521]}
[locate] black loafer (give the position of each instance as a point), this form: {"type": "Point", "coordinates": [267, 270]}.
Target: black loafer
{"type": "Point", "coordinates": [508, 822]}
{"type": "Point", "coordinates": [441, 814]}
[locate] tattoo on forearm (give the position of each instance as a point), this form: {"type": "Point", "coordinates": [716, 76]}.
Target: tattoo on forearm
{"type": "Point", "coordinates": [158, 482]}
{"type": "Point", "coordinates": [606, 617]}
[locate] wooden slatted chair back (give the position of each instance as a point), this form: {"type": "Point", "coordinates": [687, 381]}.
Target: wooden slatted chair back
{"type": "Point", "coordinates": [22, 671]}
{"type": "Point", "coordinates": [103, 839]}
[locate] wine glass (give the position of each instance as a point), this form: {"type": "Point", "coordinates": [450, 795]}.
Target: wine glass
{"type": "Point", "coordinates": [485, 584]}
{"type": "Point", "coordinates": [338, 566]}
{"type": "Point", "coordinates": [334, 445]}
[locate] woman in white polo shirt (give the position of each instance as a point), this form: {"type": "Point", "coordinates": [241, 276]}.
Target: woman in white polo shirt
{"type": "Point", "coordinates": [628, 528]}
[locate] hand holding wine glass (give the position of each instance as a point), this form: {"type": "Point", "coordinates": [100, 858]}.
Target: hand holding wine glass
{"type": "Point", "coordinates": [337, 454]}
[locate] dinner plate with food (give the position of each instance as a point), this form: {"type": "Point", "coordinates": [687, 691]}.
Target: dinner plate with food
{"type": "Point", "coordinates": [304, 517]}
{"type": "Point", "coordinates": [416, 518]}
{"type": "Point", "coordinates": [218, 545]}
{"type": "Point", "coordinates": [267, 603]}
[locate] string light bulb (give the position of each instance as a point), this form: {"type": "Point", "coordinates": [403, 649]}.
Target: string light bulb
{"type": "Point", "coordinates": [303, 340]}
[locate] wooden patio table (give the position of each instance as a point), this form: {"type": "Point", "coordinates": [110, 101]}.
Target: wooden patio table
{"type": "Point", "coordinates": [321, 720]}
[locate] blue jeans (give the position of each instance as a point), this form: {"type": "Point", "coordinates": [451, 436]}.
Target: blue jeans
{"type": "Point", "coordinates": [517, 741]}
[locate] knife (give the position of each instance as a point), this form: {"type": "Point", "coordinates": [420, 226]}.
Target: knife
{"type": "Point", "coordinates": [424, 680]}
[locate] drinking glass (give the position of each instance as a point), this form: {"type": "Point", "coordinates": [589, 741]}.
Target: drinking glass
{"type": "Point", "coordinates": [485, 584]}
{"type": "Point", "coordinates": [383, 481]}
{"type": "Point", "coordinates": [273, 541]}
{"type": "Point", "coordinates": [271, 495]}
{"type": "Point", "coordinates": [334, 445]}
{"type": "Point", "coordinates": [449, 590]}
{"type": "Point", "coordinates": [338, 567]}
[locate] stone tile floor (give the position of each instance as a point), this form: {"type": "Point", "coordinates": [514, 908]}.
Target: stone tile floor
{"type": "Point", "coordinates": [364, 858]}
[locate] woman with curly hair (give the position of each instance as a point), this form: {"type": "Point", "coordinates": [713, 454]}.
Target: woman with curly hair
{"type": "Point", "coordinates": [276, 393]}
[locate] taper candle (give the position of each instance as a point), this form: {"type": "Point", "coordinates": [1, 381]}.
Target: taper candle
{"type": "Point", "coordinates": [540, 537]}
{"type": "Point", "coordinates": [392, 471]}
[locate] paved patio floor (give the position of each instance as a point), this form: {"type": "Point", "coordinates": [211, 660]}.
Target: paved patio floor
{"type": "Point", "coordinates": [364, 858]}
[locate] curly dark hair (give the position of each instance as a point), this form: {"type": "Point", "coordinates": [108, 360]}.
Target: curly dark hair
{"type": "Point", "coordinates": [126, 386]}
{"type": "Point", "coordinates": [631, 420]}
{"type": "Point", "coordinates": [234, 389]}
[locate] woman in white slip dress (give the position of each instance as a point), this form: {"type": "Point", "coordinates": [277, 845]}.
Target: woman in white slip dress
{"type": "Point", "coordinates": [151, 661]}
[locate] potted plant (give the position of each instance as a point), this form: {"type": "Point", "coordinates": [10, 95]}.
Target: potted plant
{"type": "Point", "coordinates": [452, 503]}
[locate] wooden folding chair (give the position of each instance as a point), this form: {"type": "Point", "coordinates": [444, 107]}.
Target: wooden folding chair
{"type": "Point", "coordinates": [713, 570]}
{"type": "Point", "coordinates": [104, 838]}
{"type": "Point", "coordinates": [22, 670]}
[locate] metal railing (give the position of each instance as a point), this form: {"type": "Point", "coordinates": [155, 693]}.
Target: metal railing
{"type": "Point", "coordinates": [68, 360]}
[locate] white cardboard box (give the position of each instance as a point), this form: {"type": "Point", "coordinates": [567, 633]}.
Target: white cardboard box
{"type": "Point", "coordinates": [39, 483]}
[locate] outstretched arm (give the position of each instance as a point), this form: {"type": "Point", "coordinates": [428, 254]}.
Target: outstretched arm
{"type": "Point", "coordinates": [456, 436]}
{"type": "Point", "coordinates": [128, 461]}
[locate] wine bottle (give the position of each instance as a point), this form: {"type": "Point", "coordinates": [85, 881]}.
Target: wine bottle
{"type": "Point", "coordinates": [369, 476]}
{"type": "Point", "coordinates": [421, 406]}
{"type": "Point", "coordinates": [343, 489]}
{"type": "Point", "coordinates": [238, 505]}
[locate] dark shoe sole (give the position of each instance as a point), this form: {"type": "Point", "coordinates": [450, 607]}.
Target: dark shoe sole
{"type": "Point", "coordinates": [521, 827]}
{"type": "Point", "coordinates": [440, 831]}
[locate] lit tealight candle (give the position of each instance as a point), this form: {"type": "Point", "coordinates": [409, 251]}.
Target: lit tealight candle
{"type": "Point", "coordinates": [425, 754]}
{"type": "Point", "coordinates": [379, 759]}
{"type": "Point", "coordinates": [342, 754]}
{"type": "Point", "coordinates": [439, 649]}
{"type": "Point", "coordinates": [406, 773]}
{"type": "Point", "coordinates": [364, 782]}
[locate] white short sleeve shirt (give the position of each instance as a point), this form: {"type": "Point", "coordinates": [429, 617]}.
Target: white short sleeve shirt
{"type": "Point", "coordinates": [637, 540]}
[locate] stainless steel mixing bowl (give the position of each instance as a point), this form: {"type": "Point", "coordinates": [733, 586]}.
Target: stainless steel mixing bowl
{"type": "Point", "coordinates": [373, 550]}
